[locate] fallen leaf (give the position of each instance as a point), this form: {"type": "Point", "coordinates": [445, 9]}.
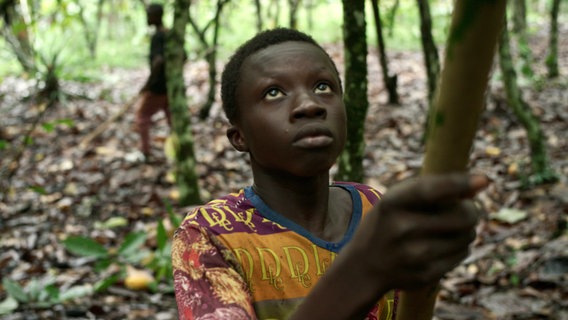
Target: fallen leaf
{"type": "Point", "coordinates": [509, 215]}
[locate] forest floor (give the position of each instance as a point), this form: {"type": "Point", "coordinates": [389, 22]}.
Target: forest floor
{"type": "Point", "coordinates": [519, 262]}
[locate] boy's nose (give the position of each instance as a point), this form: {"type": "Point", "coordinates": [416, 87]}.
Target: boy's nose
{"type": "Point", "coordinates": [306, 106]}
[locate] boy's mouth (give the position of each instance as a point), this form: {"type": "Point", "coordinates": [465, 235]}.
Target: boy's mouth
{"type": "Point", "coordinates": [313, 137]}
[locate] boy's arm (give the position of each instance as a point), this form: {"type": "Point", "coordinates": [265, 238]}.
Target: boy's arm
{"type": "Point", "coordinates": [420, 230]}
{"type": "Point", "coordinates": [205, 284]}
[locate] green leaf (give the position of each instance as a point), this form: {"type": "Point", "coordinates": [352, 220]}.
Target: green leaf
{"type": "Point", "coordinates": [3, 144]}
{"type": "Point", "coordinates": [136, 256]}
{"type": "Point", "coordinates": [131, 243]}
{"type": "Point", "coordinates": [49, 294]}
{"type": "Point", "coordinates": [14, 290]}
{"type": "Point", "coordinates": [48, 126]}
{"type": "Point", "coordinates": [107, 282]}
{"type": "Point", "coordinates": [161, 236]}
{"type": "Point", "coordinates": [67, 122]}
{"type": "Point", "coordinates": [28, 141]}
{"type": "Point", "coordinates": [85, 247]}
{"type": "Point", "coordinates": [113, 222]}
{"type": "Point", "coordinates": [34, 289]}
{"type": "Point", "coordinates": [38, 189]}
{"type": "Point", "coordinates": [76, 292]}
{"type": "Point", "coordinates": [102, 264]}
{"type": "Point", "coordinates": [8, 305]}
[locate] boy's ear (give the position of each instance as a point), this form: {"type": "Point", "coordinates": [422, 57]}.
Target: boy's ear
{"type": "Point", "coordinates": [237, 139]}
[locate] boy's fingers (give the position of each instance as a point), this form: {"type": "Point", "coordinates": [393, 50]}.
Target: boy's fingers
{"type": "Point", "coordinates": [435, 189]}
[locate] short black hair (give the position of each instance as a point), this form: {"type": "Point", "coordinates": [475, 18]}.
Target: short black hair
{"type": "Point", "coordinates": [232, 72]}
{"type": "Point", "coordinates": [155, 8]}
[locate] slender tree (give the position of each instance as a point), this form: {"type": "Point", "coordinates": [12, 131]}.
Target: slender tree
{"type": "Point", "coordinates": [293, 13]}
{"type": "Point", "coordinates": [186, 177]}
{"type": "Point", "coordinates": [210, 47]}
{"type": "Point", "coordinates": [519, 15]}
{"type": "Point", "coordinates": [520, 30]}
{"type": "Point", "coordinates": [14, 30]}
{"type": "Point", "coordinates": [458, 102]}
{"type": "Point", "coordinates": [429, 49]}
{"type": "Point", "coordinates": [273, 12]}
{"type": "Point", "coordinates": [389, 81]}
{"type": "Point", "coordinates": [310, 5]}
{"type": "Point", "coordinates": [355, 47]}
{"type": "Point", "coordinates": [542, 172]}
{"type": "Point", "coordinates": [258, 7]}
{"type": "Point", "coordinates": [552, 57]}
{"type": "Point", "coordinates": [91, 30]}
{"type": "Point", "coordinates": [391, 16]}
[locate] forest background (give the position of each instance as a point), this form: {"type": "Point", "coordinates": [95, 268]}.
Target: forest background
{"type": "Point", "coordinates": [85, 222]}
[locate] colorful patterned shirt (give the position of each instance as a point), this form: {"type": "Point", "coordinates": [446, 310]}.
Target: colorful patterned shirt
{"type": "Point", "coordinates": [235, 258]}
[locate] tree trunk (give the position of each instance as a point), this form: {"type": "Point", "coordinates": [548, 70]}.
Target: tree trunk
{"type": "Point", "coordinates": [186, 177]}
{"type": "Point", "coordinates": [18, 39]}
{"type": "Point", "coordinates": [356, 102]}
{"type": "Point", "coordinates": [389, 81]}
{"type": "Point", "coordinates": [91, 31]}
{"type": "Point", "coordinates": [310, 5]}
{"type": "Point", "coordinates": [431, 59]}
{"type": "Point", "coordinates": [211, 58]}
{"type": "Point", "coordinates": [210, 54]}
{"type": "Point", "coordinates": [258, 15]}
{"type": "Point", "coordinates": [520, 30]}
{"type": "Point", "coordinates": [392, 16]}
{"type": "Point", "coordinates": [293, 14]}
{"type": "Point", "coordinates": [273, 13]}
{"type": "Point", "coordinates": [552, 57]}
{"type": "Point", "coordinates": [542, 173]}
{"type": "Point", "coordinates": [519, 16]}
{"type": "Point", "coordinates": [458, 102]}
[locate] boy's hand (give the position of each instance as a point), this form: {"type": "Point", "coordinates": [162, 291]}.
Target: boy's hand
{"type": "Point", "coordinates": [421, 229]}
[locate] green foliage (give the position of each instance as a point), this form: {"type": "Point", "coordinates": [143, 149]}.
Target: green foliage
{"type": "Point", "coordinates": [123, 37]}
{"type": "Point", "coordinates": [38, 189]}
{"type": "Point", "coordinates": [8, 305]}
{"type": "Point", "coordinates": [161, 262]}
{"type": "Point", "coordinates": [85, 247]}
{"type": "Point", "coordinates": [62, 27]}
{"type": "Point", "coordinates": [129, 252]}
{"type": "Point", "coordinates": [41, 293]}
{"type": "Point", "coordinates": [51, 125]}
{"type": "Point", "coordinates": [529, 181]}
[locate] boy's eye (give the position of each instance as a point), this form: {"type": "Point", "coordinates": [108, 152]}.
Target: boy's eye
{"type": "Point", "coordinates": [322, 88]}
{"type": "Point", "coordinates": [273, 93]}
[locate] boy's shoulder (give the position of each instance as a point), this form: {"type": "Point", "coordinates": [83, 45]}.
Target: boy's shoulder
{"type": "Point", "coordinates": [368, 192]}
{"type": "Point", "coordinates": [223, 214]}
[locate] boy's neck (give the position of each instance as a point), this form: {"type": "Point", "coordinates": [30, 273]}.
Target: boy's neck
{"type": "Point", "coordinates": [306, 201]}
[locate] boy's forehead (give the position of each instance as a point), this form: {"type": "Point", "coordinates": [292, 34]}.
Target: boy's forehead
{"type": "Point", "coordinates": [283, 52]}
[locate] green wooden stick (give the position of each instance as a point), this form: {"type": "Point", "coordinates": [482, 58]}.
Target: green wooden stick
{"type": "Point", "coordinates": [458, 103]}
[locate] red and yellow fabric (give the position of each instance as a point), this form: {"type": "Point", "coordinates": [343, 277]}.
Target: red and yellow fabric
{"type": "Point", "coordinates": [235, 258]}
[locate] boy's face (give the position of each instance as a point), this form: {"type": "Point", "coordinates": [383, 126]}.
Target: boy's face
{"type": "Point", "coordinates": [291, 115]}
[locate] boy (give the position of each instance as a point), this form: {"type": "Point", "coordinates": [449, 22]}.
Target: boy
{"type": "Point", "coordinates": [154, 93]}
{"type": "Point", "coordinates": [292, 245]}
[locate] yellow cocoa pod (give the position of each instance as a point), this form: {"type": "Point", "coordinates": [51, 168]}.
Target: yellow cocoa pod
{"type": "Point", "coordinates": [137, 279]}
